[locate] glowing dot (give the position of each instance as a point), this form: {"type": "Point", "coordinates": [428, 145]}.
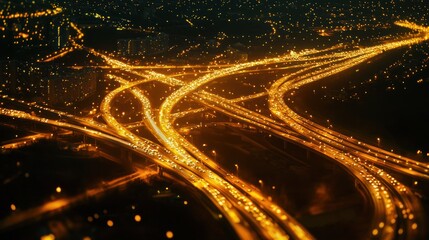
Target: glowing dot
{"type": "Point", "coordinates": [414, 226]}
{"type": "Point", "coordinates": [48, 237]}
{"type": "Point", "coordinates": [400, 231]}
{"type": "Point", "coordinates": [375, 232]}
{"type": "Point", "coordinates": [13, 207]}
{"type": "Point", "coordinates": [110, 223]}
{"type": "Point", "coordinates": [90, 219]}
{"type": "Point", "coordinates": [381, 225]}
{"type": "Point", "coordinates": [58, 189]}
{"type": "Point", "coordinates": [169, 234]}
{"type": "Point", "coordinates": [137, 218]}
{"type": "Point", "coordinates": [185, 202]}
{"type": "Point", "coordinates": [86, 238]}
{"type": "Point", "coordinates": [96, 216]}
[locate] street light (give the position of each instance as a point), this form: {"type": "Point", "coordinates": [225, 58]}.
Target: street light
{"type": "Point", "coordinates": [236, 168]}
{"type": "Point", "coordinates": [215, 155]}
{"type": "Point", "coordinates": [378, 142]}
{"type": "Point", "coordinates": [261, 183]}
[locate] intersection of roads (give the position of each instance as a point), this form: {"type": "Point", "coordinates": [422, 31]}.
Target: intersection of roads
{"type": "Point", "coordinates": [397, 211]}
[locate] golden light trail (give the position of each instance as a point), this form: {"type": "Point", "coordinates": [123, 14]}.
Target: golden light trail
{"type": "Point", "coordinates": [339, 62]}
{"type": "Point", "coordinates": [395, 195]}
{"type": "Point", "coordinates": [213, 184]}
{"type": "Point", "coordinates": [244, 206]}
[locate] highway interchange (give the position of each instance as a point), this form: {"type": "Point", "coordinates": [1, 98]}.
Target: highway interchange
{"type": "Point", "coordinates": [397, 211]}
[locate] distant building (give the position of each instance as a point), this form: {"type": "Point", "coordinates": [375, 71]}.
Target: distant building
{"type": "Point", "coordinates": [70, 87]}
{"type": "Point", "coordinates": [132, 47]}
{"type": "Point", "coordinates": [19, 77]}
{"type": "Point", "coordinates": [152, 44]}
{"type": "Point", "coordinates": [48, 84]}
{"type": "Point", "coordinates": [235, 55]}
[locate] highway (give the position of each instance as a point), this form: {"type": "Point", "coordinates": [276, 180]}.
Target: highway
{"type": "Point", "coordinates": [246, 201]}
{"type": "Point", "coordinates": [397, 211]}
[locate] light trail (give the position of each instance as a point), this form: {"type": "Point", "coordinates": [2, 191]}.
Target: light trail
{"type": "Point", "coordinates": [244, 211]}
{"type": "Point", "coordinates": [178, 144]}
{"type": "Point", "coordinates": [24, 141]}
{"type": "Point", "coordinates": [175, 146]}
{"type": "Point", "coordinates": [395, 196]}
{"type": "Point", "coordinates": [248, 211]}
{"type": "Point", "coordinates": [48, 208]}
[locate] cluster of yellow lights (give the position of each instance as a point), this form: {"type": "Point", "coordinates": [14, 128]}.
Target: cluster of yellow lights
{"type": "Point", "coordinates": [75, 44]}
{"type": "Point", "coordinates": [44, 13]}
